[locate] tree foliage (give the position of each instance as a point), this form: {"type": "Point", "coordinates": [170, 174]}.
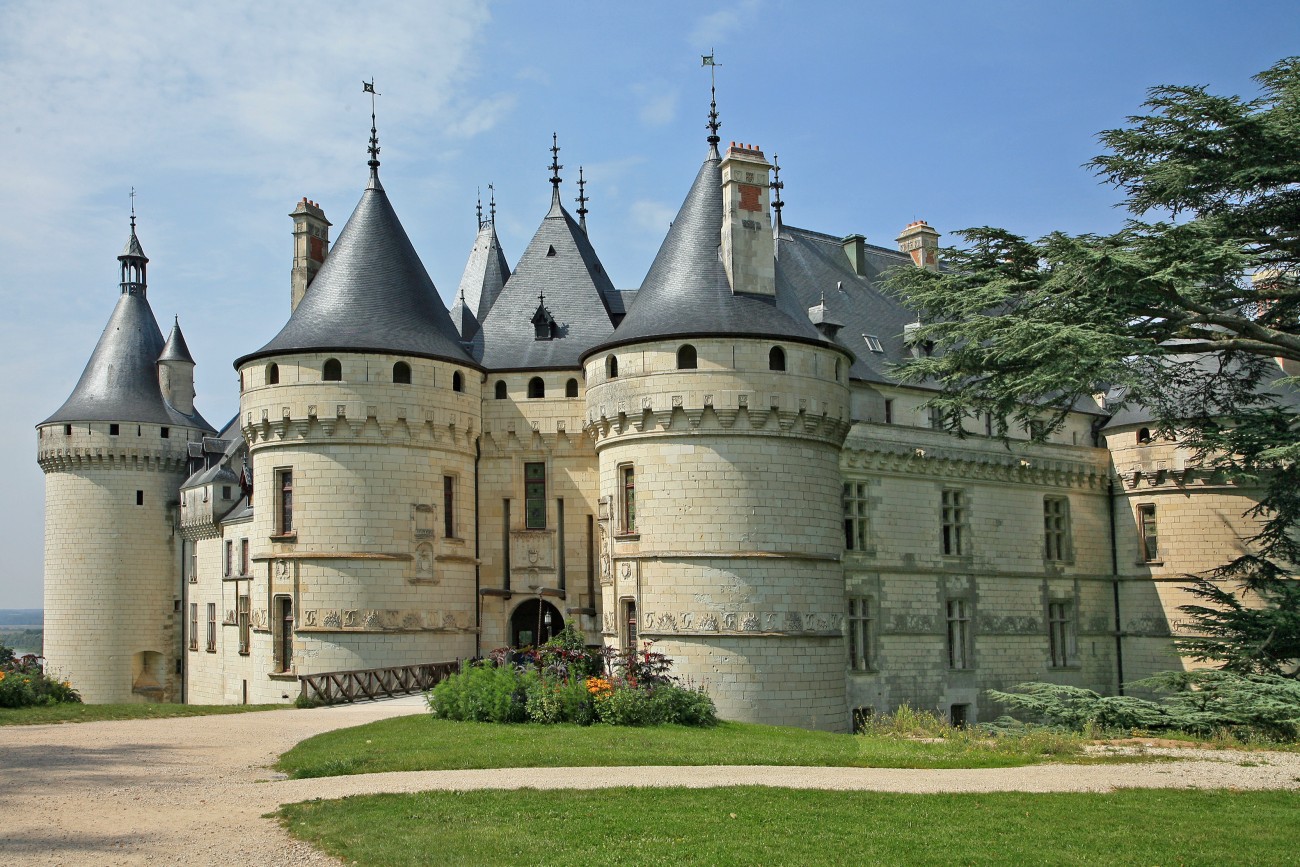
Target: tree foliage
{"type": "Point", "coordinates": [1187, 311]}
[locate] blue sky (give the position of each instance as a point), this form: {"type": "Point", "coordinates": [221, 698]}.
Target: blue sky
{"type": "Point", "coordinates": [223, 115]}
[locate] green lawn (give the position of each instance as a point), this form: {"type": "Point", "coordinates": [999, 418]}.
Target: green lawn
{"type": "Point", "coordinates": [418, 743]}
{"type": "Point", "coordinates": [73, 713]}
{"type": "Point", "coordinates": [754, 825]}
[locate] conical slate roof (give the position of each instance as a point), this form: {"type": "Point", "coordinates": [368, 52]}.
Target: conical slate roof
{"type": "Point", "coordinates": [176, 349]}
{"type": "Point", "coordinates": [120, 382]}
{"type": "Point", "coordinates": [485, 274]}
{"type": "Point", "coordinates": [371, 295]}
{"type": "Point", "coordinates": [687, 293]}
{"type": "Point", "coordinates": [561, 265]}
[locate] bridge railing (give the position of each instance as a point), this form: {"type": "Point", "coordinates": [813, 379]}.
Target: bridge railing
{"type": "Point", "coordinates": [337, 687]}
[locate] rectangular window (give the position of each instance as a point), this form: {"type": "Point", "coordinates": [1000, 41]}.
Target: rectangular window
{"type": "Point", "coordinates": [225, 492]}
{"type": "Point", "coordinates": [242, 617]}
{"type": "Point", "coordinates": [194, 562]}
{"type": "Point", "coordinates": [194, 626]}
{"type": "Point", "coordinates": [113, 430]}
{"type": "Point", "coordinates": [627, 478]}
{"type": "Point", "coordinates": [243, 557]}
{"type": "Point", "coordinates": [953, 518]}
{"type": "Point", "coordinates": [873, 343]}
{"type": "Point", "coordinates": [1037, 429]}
{"type": "Point", "coordinates": [1056, 528]}
{"type": "Point", "coordinates": [449, 507]}
{"type": "Point", "coordinates": [284, 492]}
{"type": "Point", "coordinates": [855, 516]}
{"type": "Point", "coordinates": [505, 544]}
{"type": "Point", "coordinates": [67, 430]}
{"type": "Point", "coordinates": [283, 626]}
{"type": "Point", "coordinates": [988, 424]}
{"type": "Point", "coordinates": [889, 410]}
{"type": "Point", "coordinates": [535, 496]}
{"type": "Point", "coordinates": [1060, 633]}
{"type": "Point", "coordinates": [212, 627]}
{"type": "Point", "coordinates": [230, 558]}
{"type": "Point", "coordinates": [139, 498]}
{"type": "Point", "coordinates": [936, 418]}
{"type": "Point", "coordinates": [958, 633]}
{"type": "Point", "coordinates": [860, 634]}
{"type": "Point", "coordinates": [1150, 547]}
{"type": "Point", "coordinates": [166, 433]}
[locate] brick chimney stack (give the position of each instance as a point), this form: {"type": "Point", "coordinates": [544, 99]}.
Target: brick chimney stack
{"type": "Point", "coordinates": [921, 242]}
{"type": "Point", "coordinates": [747, 248]}
{"type": "Point", "coordinates": [311, 241]}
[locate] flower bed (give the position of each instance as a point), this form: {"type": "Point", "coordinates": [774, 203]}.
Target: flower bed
{"type": "Point", "coordinates": [564, 682]}
{"type": "Point", "coordinates": [24, 684]}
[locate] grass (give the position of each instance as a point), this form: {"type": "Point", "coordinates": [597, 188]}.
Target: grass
{"type": "Point", "coordinates": [75, 713]}
{"type": "Point", "coordinates": [756, 825]}
{"type": "Point", "coordinates": [420, 743]}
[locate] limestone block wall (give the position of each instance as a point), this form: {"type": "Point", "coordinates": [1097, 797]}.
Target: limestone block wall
{"type": "Point", "coordinates": [373, 575]}
{"type": "Point", "coordinates": [560, 554]}
{"type": "Point", "coordinates": [1200, 523]}
{"type": "Point", "coordinates": [732, 565]}
{"type": "Point", "coordinates": [1001, 576]}
{"type": "Point", "coordinates": [112, 557]}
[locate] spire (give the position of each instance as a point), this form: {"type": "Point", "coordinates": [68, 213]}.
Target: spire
{"type": "Point", "coordinates": [582, 201]}
{"type": "Point", "coordinates": [492, 204]}
{"type": "Point", "coordinates": [714, 124]}
{"type": "Point", "coordinates": [369, 87]}
{"type": "Point", "coordinates": [479, 208]}
{"type": "Point", "coordinates": [777, 186]}
{"type": "Point", "coordinates": [555, 171]}
{"type": "Point", "coordinates": [133, 261]}
{"type": "Point", "coordinates": [175, 349]}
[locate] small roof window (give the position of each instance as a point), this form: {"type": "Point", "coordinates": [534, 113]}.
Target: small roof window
{"type": "Point", "coordinates": [873, 343]}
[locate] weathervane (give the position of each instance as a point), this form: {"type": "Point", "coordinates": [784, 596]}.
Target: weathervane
{"type": "Point", "coordinates": [777, 186]}
{"type": "Point", "coordinates": [133, 210]}
{"type": "Point", "coordinates": [492, 204]}
{"type": "Point", "coordinates": [479, 207]}
{"type": "Point", "coordinates": [714, 124]}
{"type": "Point", "coordinates": [369, 87]}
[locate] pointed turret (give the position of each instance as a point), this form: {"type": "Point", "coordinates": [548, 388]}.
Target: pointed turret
{"type": "Point", "coordinates": [120, 382]}
{"type": "Point", "coordinates": [176, 371]}
{"type": "Point", "coordinates": [485, 273]}
{"type": "Point", "coordinates": [561, 265]}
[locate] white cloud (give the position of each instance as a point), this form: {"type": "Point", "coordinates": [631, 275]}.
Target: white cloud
{"type": "Point", "coordinates": [658, 106]}
{"type": "Point", "coordinates": [483, 117]}
{"type": "Point", "coordinates": [651, 217]}
{"type": "Point", "coordinates": [714, 28]}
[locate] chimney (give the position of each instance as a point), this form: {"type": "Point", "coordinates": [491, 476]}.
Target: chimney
{"type": "Point", "coordinates": [747, 246]}
{"type": "Point", "coordinates": [855, 247]}
{"type": "Point", "coordinates": [922, 243]}
{"type": "Point", "coordinates": [311, 241]}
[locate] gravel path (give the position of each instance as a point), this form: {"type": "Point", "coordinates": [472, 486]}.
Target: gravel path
{"type": "Point", "coordinates": [193, 790]}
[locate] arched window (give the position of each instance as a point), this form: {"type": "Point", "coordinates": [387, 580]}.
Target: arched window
{"type": "Point", "coordinates": [501, 389]}
{"type": "Point", "coordinates": [776, 359]}
{"type": "Point", "coordinates": [837, 370]}
{"type": "Point", "coordinates": [571, 388]}
{"type": "Point", "coordinates": [272, 373]}
{"type": "Point", "coordinates": [457, 382]}
{"type": "Point", "coordinates": [1144, 436]}
{"type": "Point", "coordinates": [536, 388]}
{"type": "Point", "coordinates": [686, 357]}
{"type": "Point", "coordinates": [402, 373]}
{"type": "Point", "coordinates": [611, 368]}
{"type": "Point", "coordinates": [333, 371]}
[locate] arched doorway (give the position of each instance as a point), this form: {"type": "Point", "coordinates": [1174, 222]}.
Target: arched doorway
{"type": "Point", "coordinates": [532, 625]}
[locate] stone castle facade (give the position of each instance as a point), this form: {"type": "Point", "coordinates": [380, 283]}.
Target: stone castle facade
{"type": "Point", "coordinates": [721, 461]}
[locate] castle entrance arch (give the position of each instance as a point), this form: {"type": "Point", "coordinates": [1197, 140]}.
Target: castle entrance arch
{"type": "Point", "coordinates": [534, 622]}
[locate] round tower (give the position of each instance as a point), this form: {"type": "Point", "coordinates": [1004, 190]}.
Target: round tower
{"type": "Point", "coordinates": [114, 457]}
{"type": "Point", "coordinates": [361, 418]}
{"type": "Point", "coordinates": [718, 420]}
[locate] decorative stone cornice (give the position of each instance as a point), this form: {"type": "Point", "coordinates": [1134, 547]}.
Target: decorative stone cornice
{"type": "Point", "coordinates": [648, 420]}
{"type": "Point", "coordinates": [112, 458]}
{"type": "Point", "coordinates": [453, 430]}
{"type": "Point", "coordinates": [952, 461]}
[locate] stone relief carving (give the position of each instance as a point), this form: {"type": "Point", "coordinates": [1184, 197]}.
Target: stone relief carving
{"type": "Point", "coordinates": [790, 622]}
{"type": "Point", "coordinates": [350, 618]}
{"type": "Point", "coordinates": [424, 561]}
{"type": "Point", "coordinates": [259, 618]}
{"type": "Point", "coordinates": [332, 619]}
{"type": "Point", "coordinates": [310, 617]}
{"type": "Point", "coordinates": [282, 569]}
{"type": "Point", "coordinates": [750, 623]}
{"type": "Point", "coordinates": [709, 622]}
{"type": "Point", "coordinates": [609, 622]}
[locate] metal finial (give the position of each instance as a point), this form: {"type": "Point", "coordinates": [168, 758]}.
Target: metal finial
{"type": "Point", "coordinates": [133, 210]}
{"type": "Point", "coordinates": [582, 200]}
{"type": "Point", "coordinates": [777, 184]}
{"type": "Point", "coordinates": [479, 207]}
{"type": "Point", "coordinates": [714, 124]}
{"type": "Point", "coordinates": [541, 298]}
{"type": "Point", "coordinates": [369, 87]}
{"type": "Point", "coordinates": [555, 162]}
{"type": "Point", "coordinates": [492, 204]}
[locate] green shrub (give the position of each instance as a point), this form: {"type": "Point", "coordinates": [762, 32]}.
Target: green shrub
{"type": "Point", "coordinates": [483, 692]}
{"type": "Point", "coordinates": [561, 701]}
{"type": "Point", "coordinates": [628, 706]}
{"type": "Point", "coordinates": [24, 684]}
{"type": "Point", "coordinates": [687, 706]}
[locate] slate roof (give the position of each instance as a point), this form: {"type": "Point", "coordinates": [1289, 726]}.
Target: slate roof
{"type": "Point", "coordinates": [560, 264]}
{"type": "Point", "coordinates": [1136, 413]}
{"type": "Point", "coordinates": [175, 349]}
{"type": "Point", "coordinates": [120, 381]}
{"type": "Point", "coordinates": [485, 274]}
{"type": "Point", "coordinates": [686, 292]}
{"type": "Point", "coordinates": [372, 294]}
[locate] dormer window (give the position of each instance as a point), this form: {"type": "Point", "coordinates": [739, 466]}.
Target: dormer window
{"type": "Point", "coordinates": [543, 322]}
{"type": "Point", "coordinates": [873, 343]}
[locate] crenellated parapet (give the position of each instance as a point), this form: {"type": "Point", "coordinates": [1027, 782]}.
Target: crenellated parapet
{"type": "Point", "coordinates": [136, 447]}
